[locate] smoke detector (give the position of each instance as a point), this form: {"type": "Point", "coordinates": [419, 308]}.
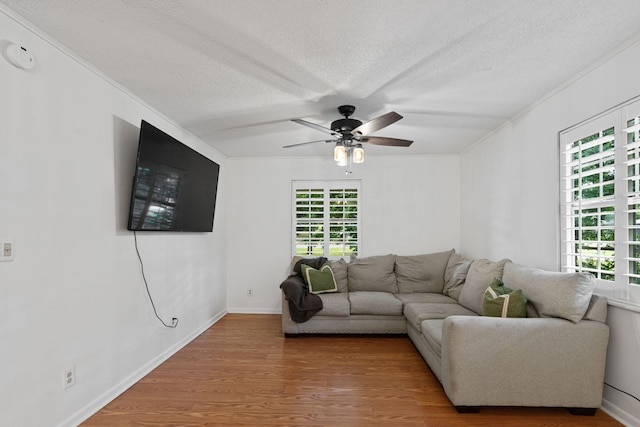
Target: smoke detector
{"type": "Point", "coordinates": [20, 56]}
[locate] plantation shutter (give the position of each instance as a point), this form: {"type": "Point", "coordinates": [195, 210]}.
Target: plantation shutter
{"type": "Point", "coordinates": [600, 201]}
{"type": "Point", "coordinates": [632, 196]}
{"type": "Point", "coordinates": [589, 195]}
{"type": "Point", "coordinates": [309, 221]}
{"type": "Point", "coordinates": [326, 218]}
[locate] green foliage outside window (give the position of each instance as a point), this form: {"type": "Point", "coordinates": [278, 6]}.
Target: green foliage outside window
{"type": "Point", "coordinates": [316, 216]}
{"type": "Point", "coordinates": [593, 180]}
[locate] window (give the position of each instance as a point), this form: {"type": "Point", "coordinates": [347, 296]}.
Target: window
{"type": "Point", "coordinates": [326, 218]}
{"type": "Point", "coordinates": [600, 200]}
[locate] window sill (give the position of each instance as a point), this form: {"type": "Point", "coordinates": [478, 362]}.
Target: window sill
{"type": "Point", "coordinates": [625, 304]}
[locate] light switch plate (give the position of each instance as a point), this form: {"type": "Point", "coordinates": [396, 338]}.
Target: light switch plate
{"type": "Point", "coordinates": [6, 249]}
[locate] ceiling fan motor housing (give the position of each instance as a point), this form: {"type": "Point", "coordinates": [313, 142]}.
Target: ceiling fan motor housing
{"type": "Point", "coordinates": [345, 125]}
{"type": "Point", "coordinates": [342, 125]}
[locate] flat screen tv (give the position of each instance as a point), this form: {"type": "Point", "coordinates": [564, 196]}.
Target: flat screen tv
{"type": "Point", "coordinates": [174, 187]}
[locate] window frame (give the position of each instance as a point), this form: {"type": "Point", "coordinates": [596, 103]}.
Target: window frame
{"type": "Point", "coordinates": [622, 291]}
{"type": "Point", "coordinates": [327, 187]}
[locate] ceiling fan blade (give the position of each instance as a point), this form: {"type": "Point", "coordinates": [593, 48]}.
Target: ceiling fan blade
{"type": "Point", "coordinates": [310, 142]}
{"type": "Point", "coordinates": [315, 126]}
{"type": "Point", "coordinates": [381, 140]}
{"type": "Point", "coordinates": [376, 124]}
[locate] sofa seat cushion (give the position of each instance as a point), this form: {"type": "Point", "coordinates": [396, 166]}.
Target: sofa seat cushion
{"type": "Point", "coordinates": [417, 312]}
{"type": "Point", "coordinates": [406, 298]}
{"type": "Point", "coordinates": [380, 303]}
{"type": "Point", "coordinates": [432, 332]}
{"type": "Point", "coordinates": [335, 304]}
{"type": "Point", "coordinates": [421, 273]}
{"type": "Point", "coordinates": [374, 273]}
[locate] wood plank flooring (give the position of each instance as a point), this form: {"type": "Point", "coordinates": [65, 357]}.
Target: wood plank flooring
{"type": "Point", "coordinates": [243, 372]}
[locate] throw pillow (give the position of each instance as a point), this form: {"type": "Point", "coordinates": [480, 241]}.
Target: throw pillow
{"type": "Point", "coordinates": [500, 301]}
{"type": "Point", "coordinates": [453, 259]}
{"type": "Point", "coordinates": [319, 281]}
{"type": "Point", "coordinates": [455, 283]}
{"type": "Point", "coordinates": [553, 294]}
{"type": "Point", "coordinates": [480, 276]}
{"type": "Point", "coordinates": [313, 262]}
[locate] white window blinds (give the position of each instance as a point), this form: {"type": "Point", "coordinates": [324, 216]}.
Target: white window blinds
{"type": "Point", "coordinates": [326, 218]}
{"type": "Point", "coordinates": [600, 200]}
{"type": "Point", "coordinates": [589, 195]}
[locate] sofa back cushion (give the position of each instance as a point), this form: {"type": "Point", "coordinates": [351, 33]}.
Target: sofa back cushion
{"type": "Point", "coordinates": [339, 268]}
{"type": "Point", "coordinates": [373, 273]}
{"type": "Point", "coordinates": [553, 294]}
{"type": "Point", "coordinates": [421, 273]}
{"type": "Point", "coordinates": [481, 274]}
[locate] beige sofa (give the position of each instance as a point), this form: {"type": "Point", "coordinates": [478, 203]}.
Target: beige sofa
{"type": "Point", "coordinates": [555, 357]}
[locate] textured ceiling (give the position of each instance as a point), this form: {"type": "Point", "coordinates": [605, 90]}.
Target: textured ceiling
{"type": "Point", "coordinates": [235, 72]}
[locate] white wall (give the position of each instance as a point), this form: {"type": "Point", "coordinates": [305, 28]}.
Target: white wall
{"type": "Point", "coordinates": [510, 199]}
{"type": "Point", "coordinates": [410, 205]}
{"type": "Point", "coordinates": [73, 296]}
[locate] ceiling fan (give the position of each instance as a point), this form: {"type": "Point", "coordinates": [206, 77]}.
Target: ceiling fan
{"type": "Point", "coordinates": [349, 134]}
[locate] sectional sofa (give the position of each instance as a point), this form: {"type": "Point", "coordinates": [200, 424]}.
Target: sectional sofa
{"type": "Point", "coordinates": [553, 357]}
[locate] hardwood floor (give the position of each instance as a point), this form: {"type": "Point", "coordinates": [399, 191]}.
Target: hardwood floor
{"type": "Point", "coordinates": [243, 372]}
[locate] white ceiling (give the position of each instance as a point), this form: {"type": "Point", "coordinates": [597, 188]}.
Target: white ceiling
{"type": "Point", "coordinates": [235, 72]}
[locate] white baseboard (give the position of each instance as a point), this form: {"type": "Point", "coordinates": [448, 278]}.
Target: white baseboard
{"type": "Point", "coordinates": [109, 395]}
{"type": "Point", "coordinates": [619, 414]}
{"type": "Point", "coordinates": [253, 310]}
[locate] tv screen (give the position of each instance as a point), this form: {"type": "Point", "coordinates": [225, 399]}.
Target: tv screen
{"type": "Point", "coordinates": [174, 187]}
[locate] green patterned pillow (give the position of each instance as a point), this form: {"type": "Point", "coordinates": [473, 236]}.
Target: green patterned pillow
{"type": "Point", "coordinates": [319, 281]}
{"type": "Point", "coordinates": [500, 301]}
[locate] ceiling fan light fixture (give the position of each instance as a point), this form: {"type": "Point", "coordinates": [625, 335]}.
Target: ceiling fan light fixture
{"type": "Point", "coordinates": [358, 154]}
{"type": "Point", "coordinates": [351, 133]}
{"type": "Point", "coordinates": [340, 154]}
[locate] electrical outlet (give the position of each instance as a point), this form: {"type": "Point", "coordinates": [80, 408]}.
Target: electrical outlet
{"type": "Point", "coordinates": [6, 249]}
{"type": "Point", "coordinates": [249, 292]}
{"type": "Point", "coordinates": [69, 377]}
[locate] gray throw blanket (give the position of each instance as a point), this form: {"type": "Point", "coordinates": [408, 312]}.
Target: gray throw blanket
{"type": "Point", "coordinates": [302, 304]}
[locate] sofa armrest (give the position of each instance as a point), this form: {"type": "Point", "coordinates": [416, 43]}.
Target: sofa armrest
{"type": "Point", "coordinates": [489, 361]}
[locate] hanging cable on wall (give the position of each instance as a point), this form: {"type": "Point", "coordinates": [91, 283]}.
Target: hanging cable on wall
{"type": "Point", "coordinates": [174, 320]}
{"type": "Point", "coordinates": [622, 391]}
